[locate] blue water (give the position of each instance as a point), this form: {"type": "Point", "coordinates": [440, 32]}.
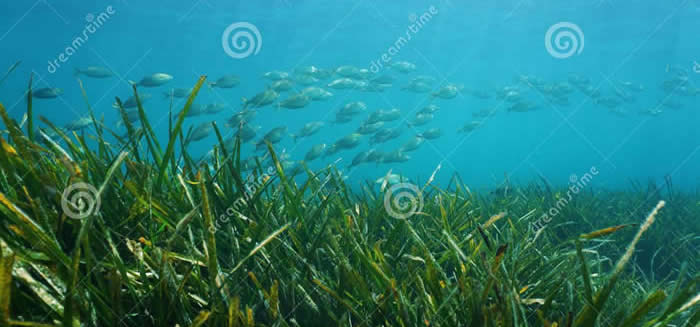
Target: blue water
{"type": "Point", "coordinates": [483, 46]}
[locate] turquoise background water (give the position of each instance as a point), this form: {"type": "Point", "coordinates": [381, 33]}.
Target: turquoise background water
{"type": "Point", "coordinates": [480, 45]}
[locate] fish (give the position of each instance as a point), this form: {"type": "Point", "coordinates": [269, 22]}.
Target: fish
{"type": "Point", "coordinates": [316, 93]}
{"type": "Point", "coordinates": [314, 71]}
{"type": "Point", "coordinates": [308, 129]}
{"type": "Point", "coordinates": [420, 120]}
{"type": "Point", "coordinates": [315, 152]}
{"type": "Point", "coordinates": [343, 84]}
{"type": "Point", "coordinates": [372, 87]}
{"type": "Point", "coordinates": [360, 157]}
{"type": "Point", "coordinates": [395, 157]}
{"type": "Point", "coordinates": [429, 109]}
{"type": "Point", "coordinates": [226, 82]}
{"type": "Point", "coordinates": [282, 85]}
{"type": "Point", "coordinates": [153, 80]}
{"type": "Point", "coordinates": [470, 126]}
{"type": "Point", "coordinates": [448, 91]}
{"type": "Point", "coordinates": [404, 66]}
{"type": "Point", "coordinates": [275, 135]}
{"type": "Point", "coordinates": [383, 79]}
{"type": "Point", "coordinates": [651, 112]}
{"type": "Point", "coordinates": [391, 179]}
{"type": "Point", "coordinates": [305, 79]}
{"type": "Point", "coordinates": [412, 145]}
{"type": "Point", "coordinates": [276, 75]}
{"type": "Point", "coordinates": [247, 132]}
{"type": "Point", "coordinates": [93, 71]}
{"type": "Point", "coordinates": [349, 141]}
{"type": "Point", "coordinates": [214, 108]}
{"type": "Point", "coordinates": [608, 101]}
{"type": "Point", "coordinates": [131, 101]}
{"type": "Point", "coordinates": [366, 129]}
{"type": "Point", "coordinates": [295, 101]}
{"type": "Point", "coordinates": [522, 106]}
{"type": "Point", "coordinates": [385, 135]}
{"type": "Point", "coordinates": [197, 109]}
{"type": "Point", "coordinates": [374, 156]}
{"type": "Point", "coordinates": [383, 115]}
{"type": "Point", "coordinates": [484, 113]}
{"type": "Point", "coordinates": [590, 91]}
{"type": "Point", "coordinates": [341, 119]}
{"type": "Point", "coordinates": [200, 132]}
{"type": "Point", "coordinates": [352, 108]}
{"type": "Point", "coordinates": [417, 87]}
{"type": "Point", "coordinates": [261, 99]}
{"type": "Point", "coordinates": [47, 93]}
{"type": "Point", "coordinates": [177, 93]}
{"type": "Point", "coordinates": [79, 124]}
{"type": "Point", "coordinates": [431, 134]}
{"type": "Point", "coordinates": [349, 71]}
{"type": "Point", "coordinates": [242, 117]}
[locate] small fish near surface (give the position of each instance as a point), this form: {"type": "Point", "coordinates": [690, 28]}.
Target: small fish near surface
{"type": "Point", "coordinates": [153, 80]}
{"type": "Point", "coordinates": [94, 72]}
{"type": "Point", "coordinates": [47, 93]}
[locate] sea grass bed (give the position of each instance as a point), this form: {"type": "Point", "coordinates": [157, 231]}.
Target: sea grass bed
{"type": "Point", "coordinates": [173, 244]}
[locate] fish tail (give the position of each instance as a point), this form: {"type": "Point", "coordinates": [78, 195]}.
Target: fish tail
{"type": "Point", "coordinates": [76, 71]}
{"type": "Point", "coordinates": [133, 83]}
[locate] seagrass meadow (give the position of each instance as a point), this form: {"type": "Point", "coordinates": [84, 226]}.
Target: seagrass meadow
{"type": "Point", "coordinates": [167, 248]}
